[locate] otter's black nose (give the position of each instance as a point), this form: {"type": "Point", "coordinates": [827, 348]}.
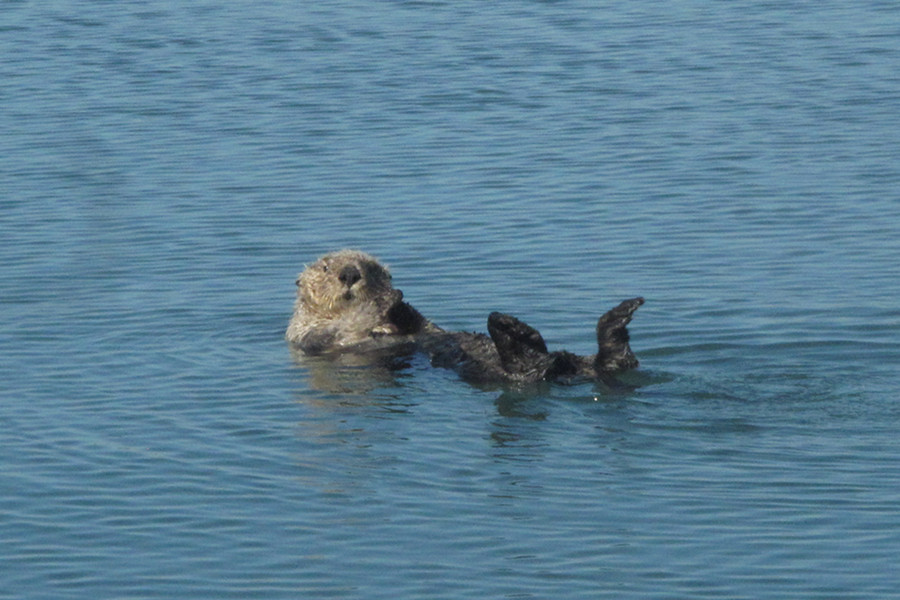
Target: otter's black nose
{"type": "Point", "coordinates": [349, 275]}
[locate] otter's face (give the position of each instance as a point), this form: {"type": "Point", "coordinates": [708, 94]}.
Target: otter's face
{"type": "Point", "coordinates": [343, 281]}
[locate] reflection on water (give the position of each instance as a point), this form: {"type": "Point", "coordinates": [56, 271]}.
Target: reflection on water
{"type": "Point", "coordinates": [351, 373]}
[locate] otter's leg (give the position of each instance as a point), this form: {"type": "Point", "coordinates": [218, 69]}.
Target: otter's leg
{"type": "Point", "coordinates": [523, 352]}
{"type": "Point", "coordinates": [513, 337]}
{"type": "Point", "coordinates": [614, 353]}
{"type": "Point", "coordinates": [520, 346]}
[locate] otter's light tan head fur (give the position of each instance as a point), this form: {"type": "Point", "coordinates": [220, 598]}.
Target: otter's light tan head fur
{"type": "Point", "coordinates": [348, 290]}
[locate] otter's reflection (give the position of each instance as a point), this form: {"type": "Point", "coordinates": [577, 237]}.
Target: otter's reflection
{"type": "Point", "coordinates": [351, 373]}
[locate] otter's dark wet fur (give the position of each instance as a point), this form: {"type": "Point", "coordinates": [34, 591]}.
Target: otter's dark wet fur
{"type": "Point", "coordinates": [346, 304]}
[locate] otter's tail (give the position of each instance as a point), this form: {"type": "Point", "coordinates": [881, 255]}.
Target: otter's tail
{"type": "Point", "coordinates": [613, 351]}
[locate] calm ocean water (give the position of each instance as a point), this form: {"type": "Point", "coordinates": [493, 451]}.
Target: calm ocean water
{"type": "Point", "coordinates": [167, 168]}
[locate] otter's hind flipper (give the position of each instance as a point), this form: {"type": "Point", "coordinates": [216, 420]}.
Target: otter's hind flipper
{"type": "Point", "coordinates": [613, 351]}
{"type": "Point", "coordinates": [523, 352]}
{"type": "Point", "coordinates": [519, 344]}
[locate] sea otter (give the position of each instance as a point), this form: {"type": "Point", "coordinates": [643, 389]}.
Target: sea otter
{"type": "Point", "coordinates": [347, 304]}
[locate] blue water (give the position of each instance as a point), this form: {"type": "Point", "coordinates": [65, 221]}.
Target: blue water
{"type": "Point", "coordinates": [167, 168]}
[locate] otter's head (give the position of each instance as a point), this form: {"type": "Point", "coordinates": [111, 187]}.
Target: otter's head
{"type": "Point", "coordinates": [344, 281]}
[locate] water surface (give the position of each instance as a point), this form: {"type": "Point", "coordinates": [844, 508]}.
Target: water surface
{"type": "Point", "coordinates": [167, 170]}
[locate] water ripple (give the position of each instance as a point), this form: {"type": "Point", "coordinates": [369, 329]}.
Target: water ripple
{"type": "Point", "coordinates": [167, 170]}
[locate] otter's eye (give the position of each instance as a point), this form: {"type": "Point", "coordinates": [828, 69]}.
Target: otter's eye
{"type": "Point", "coordinates": [324, 268]}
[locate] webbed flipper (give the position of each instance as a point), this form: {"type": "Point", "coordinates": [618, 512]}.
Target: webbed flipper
{"type": "Point", "coordinates": [613, 351]}
{"type": "Point", "coordinates": [523, 352]}
{"type": "Point", "coordinates": [518, 343]}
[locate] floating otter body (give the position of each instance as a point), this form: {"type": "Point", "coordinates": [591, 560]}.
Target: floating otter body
{"type": "Point", "coordinates": [346, 304]}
